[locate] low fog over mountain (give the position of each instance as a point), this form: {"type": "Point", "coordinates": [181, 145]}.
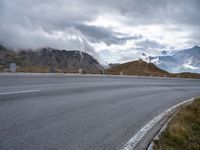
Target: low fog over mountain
{"type": "Point", "coordinates": [187, 60]}
{"type": "Point", "coordinates": [112, 31]}
{"type": "Point", "coordinates": [49, 60]}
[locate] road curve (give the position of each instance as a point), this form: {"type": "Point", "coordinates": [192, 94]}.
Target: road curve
{"type": "Point", "coordinates": [70, 112]}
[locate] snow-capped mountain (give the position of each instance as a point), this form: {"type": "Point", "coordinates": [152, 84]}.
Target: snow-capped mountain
{"type": "Point", "coordinates": [187, 60]}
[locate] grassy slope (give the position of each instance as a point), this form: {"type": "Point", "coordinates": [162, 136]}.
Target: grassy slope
{"type": "Point", "coordinates": [183, 131]}
{"type": "Point", "coordinates": [146, 69]}
{"type": "Point", "coordinates": [137, 68]}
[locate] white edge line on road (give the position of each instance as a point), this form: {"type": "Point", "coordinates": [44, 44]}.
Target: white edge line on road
{"type": "Point", "coordinates": [19, 92]}
{"type": "Point", "coordinates": [130, 145]}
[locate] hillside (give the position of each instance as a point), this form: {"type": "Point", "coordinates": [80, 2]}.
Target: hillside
{"type": "Point", "coordinates": [137, 68]}
{"type": "Point", "coordinates": [146, 69]}
{"type": "Point", "coordinates": [49, 60]}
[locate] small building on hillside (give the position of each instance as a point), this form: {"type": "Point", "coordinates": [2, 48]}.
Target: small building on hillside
{"type": "Point", "coordinates": [12, 67]}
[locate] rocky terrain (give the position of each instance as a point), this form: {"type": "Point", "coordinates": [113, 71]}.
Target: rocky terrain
{"type": "Point", "coordinates": [49, 60]}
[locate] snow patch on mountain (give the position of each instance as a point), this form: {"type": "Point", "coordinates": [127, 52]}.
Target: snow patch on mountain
{"type": "Point", "coordinates": [181, 61]}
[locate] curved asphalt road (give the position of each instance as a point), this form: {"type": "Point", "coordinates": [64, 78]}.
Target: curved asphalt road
{"type": "Point", "coordinates": [62, 112]}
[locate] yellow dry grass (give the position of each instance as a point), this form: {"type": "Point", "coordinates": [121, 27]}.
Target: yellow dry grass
{"type": "Point", "coordinates": [183, 131]}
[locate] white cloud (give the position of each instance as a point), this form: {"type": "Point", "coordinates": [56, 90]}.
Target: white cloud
{"type": "Point", "coordinates": [188, 65]}
{"type": "Point", "coordinates": [114, 29]}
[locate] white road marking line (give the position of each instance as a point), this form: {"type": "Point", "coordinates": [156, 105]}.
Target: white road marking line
{"type": "Point", "coordinates": [130, 145]}
{"type": "Point", "coordinates": [18, 92]}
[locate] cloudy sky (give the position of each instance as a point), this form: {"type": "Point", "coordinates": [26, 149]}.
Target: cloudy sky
{"type": "Point", "coordinates": [112, 30]}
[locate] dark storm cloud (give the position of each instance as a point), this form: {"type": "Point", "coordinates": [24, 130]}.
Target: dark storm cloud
{"type": "Point", "coordinates": [146, 44]}
{"type": "Point", "coordinates": [101, 34]}
{"type": "Point", "coordinates": [153, 11]}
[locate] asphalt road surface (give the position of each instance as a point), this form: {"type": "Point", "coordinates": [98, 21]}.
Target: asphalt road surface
{"type": "Point", "coordinates": [62, 112]}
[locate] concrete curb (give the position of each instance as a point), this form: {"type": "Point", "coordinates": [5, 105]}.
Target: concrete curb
{"type": "Point", "coordinates": [143, 138]}
{"type": "Point", "coordinates": [150, 147]}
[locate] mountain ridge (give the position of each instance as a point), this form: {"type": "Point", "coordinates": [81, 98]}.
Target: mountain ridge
{"type": "Point", "coordinates": [138, 67]}
{"type": "Point", "coordinates": [142, 68]}
{"type": "Point", "coordinates": [50, 60]}
{"type": "Point", "coordinates": [187, 60]}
